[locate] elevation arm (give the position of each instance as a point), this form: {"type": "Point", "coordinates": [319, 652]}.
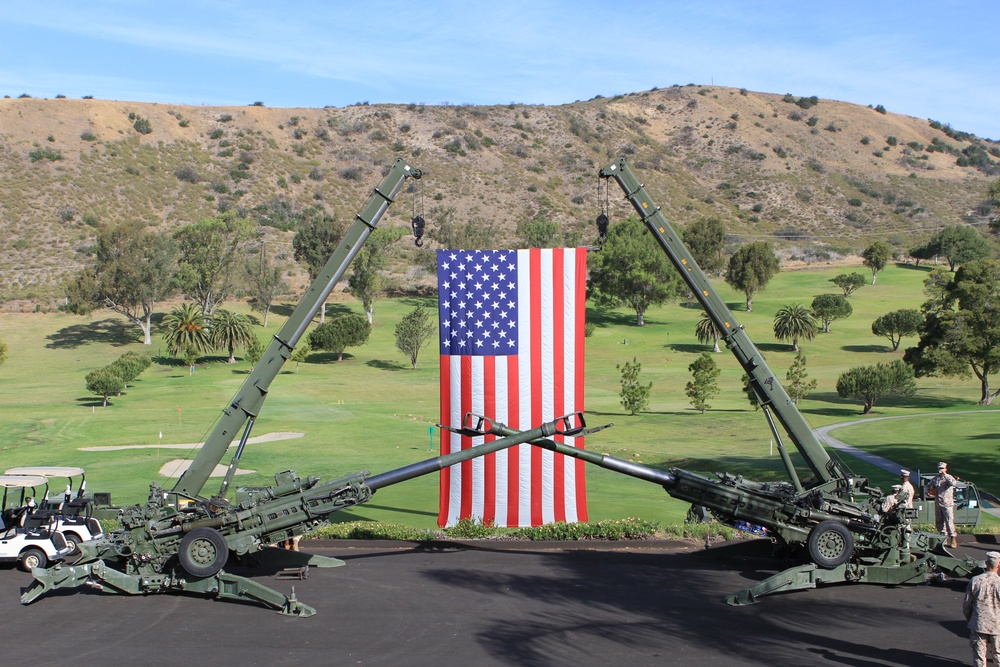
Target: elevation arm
{"type": "Point", "coordinates": [769, 391]}
{"type": "Point", "coordinates": [248, 400]}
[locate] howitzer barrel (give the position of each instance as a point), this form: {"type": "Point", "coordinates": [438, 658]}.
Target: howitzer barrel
{"type": "Point", "coordinates": [665, 479]}
{"type": "Point", "coordinates": [476, 425]}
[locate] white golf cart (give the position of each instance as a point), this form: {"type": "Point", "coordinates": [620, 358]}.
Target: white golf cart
{"type": "Point", "coordinates": [20, 542]}
{"type": "Point", "coordinates": [70, 510]}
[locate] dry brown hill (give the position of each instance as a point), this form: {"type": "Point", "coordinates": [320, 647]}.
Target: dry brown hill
{"type": "Point", "coordinates": [821, 180]}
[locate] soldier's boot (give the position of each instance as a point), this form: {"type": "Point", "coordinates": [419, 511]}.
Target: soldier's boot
{"type": "Point", "coordinates": [952, 542]}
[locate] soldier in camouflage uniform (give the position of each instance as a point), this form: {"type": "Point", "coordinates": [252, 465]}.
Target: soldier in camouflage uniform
{"type": "Point", "coordinates": [905, 494]}
{"type": "Point", "coordinates": [942, 488]}
{"type": "Point", "coordinates": [982, 608]}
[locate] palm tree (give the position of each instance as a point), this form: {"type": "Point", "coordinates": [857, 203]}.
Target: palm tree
{"type": "Point", "coordinates": [794, 322]}
{"type": "Point", "coordinates": [707, 332]}
{"type": "Point", "coordinates": [187, 330]}
{"type": "Point", "coordinates": [229, 331]}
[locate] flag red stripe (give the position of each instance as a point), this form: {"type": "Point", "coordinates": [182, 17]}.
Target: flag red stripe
{"type": "Point", "coordinates": [513, 420]}
{"type": "Point", "coordinates": [444, 479]}
{"type": "Point", "coordinates": [489, 462]}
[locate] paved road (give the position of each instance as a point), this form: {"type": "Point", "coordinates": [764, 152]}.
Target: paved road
{"type": "Point", "coordinates": [490, 603]}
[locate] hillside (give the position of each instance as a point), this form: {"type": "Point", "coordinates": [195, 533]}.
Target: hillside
{"type": "Point", "coordinates": [822, 180]}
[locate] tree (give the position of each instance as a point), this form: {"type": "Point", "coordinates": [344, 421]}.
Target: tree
{"type": "Point", "coordinates": [794, 322]}
{"type": "Point", "coordinates": [229, 330]}
{"type": "Point", "coordinates": [366, 281]}
{"type": "Point", "coordinates": [634, 395]}
{"type": "Point", "coordinates": [703, 384]}
{"type": "Point", "coordinates": [796, 383]}
{"type": "Point", "coordinates": [830, 307]}
{"type": "Point", "coordinates": [870, 383]}
{"type": "Point", "coordinates": [132, 272]}
{"type": "Point", "coordinates": [632, 269]}
{"type": "Point", "coordinates": [707, 332]}
{"type": "Point", "coordinates": [750, 393]}
{"type": "Point", "coordinates": [129, 366]}
{"type": "Point", "coordinates": [264, 281]}
{"type": "Point", "coordinates": [705, 239]}
{"type": "Point", "coordinates": [314, 242]}
{"type": "Point", "coordinates": [413, 332]}
{"type": "Point", "coordinates": [340, 333]}
{"type": "Point", "coordinates": [961, 330]}
{"type": "Point", "coordinates": [104, 383]}
{"type": "Point", "coordinates": [187, 330]}
{"type": "Point", "coordinates": [209, 251]}
{"type": "Point", "coordinates": [961, 244]}
{"type": "Point", "coordinates": [255, 350]}
{"type": "Point", "coordinates": [751, 268]}
{"type": "Point", "coordinates": [539, 233]}
{"type": "Point", "coordinates": [301, 353]}
{"type": "Point", "coordinates": [924, 252]}
{"type": "Point", "coordinates": [849, 282]}
{"type": "Point", "coordinates": [876, 257]}
{"type": "Point", "coordinates": [898, 323]}
{"type": "Point", "coordinates": [473, 234]}
{"type": "Point", "coordinates": [993, 192]}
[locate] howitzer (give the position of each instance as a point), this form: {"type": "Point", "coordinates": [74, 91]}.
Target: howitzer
{"type": "Point", "coordinates": [145, 554]}
{"type": "Point", "coordinates": [161, 548]}
{"type": "Point", "coordinates": [837, 518]}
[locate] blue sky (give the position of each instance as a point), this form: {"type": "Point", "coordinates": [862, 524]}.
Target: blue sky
{"type": "Point", "coordinates": [936, 60]}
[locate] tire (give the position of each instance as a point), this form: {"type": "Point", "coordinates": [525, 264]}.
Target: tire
{"type": "Point", "coordinates": [830, 544]}
{"type": "Point", "coordinates": [32, 558]}
{"type": "Point", "coordinates": [73, 541]}
{"type": "Point", "coordinates": [203, 552]}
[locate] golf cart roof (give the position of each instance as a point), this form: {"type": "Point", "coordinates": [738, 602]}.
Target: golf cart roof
{"type": "Point", "coordinates": [46, 471]}
{"type": "Point", "coordinates": [22, 481]}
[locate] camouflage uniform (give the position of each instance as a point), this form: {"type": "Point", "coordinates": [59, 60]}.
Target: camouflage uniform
{"type": "Point", "coordinates": [943, 485]}
{"type": "Point", "coordinates": [982, 608]}
{"type": "Point", "coordinates": [906, 492]}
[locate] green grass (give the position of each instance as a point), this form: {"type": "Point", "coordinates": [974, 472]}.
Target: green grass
{"type": "Point", "coordinates": [372, 412]}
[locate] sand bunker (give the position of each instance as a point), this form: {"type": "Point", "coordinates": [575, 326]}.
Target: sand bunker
{"type": "Point", "coordinates": [267, 437]}
{"type": "Point", "coordinates": [177, 467]}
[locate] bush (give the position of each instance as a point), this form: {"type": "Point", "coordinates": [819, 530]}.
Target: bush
{"type": "Point", "coordinates": [87, 135]}
{"type": "Point", "coordinates": [44, 154]}
{"type": "Point", "coordinates": [142, 125]}
{"type": "Point", "coordinates": [187, 174]}
{"type": "Point", "coordinates": [350, 173]}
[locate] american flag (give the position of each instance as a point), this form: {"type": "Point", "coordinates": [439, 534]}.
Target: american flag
{"type": "Point", "coordinates": [512, 349]}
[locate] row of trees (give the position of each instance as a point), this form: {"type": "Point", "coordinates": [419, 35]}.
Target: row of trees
{"type": "Point", "coordinates": [113, 379]}
{"type": "Point", "coordinates": [213, 260]}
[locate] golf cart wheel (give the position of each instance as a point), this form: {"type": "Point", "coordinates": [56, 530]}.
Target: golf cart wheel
{"type": "Point", "coordinates": [203, 552]}
{"type": "Point", "coordinates": [32, 558]}
{"type": "Point", "coordinates": [73, 542]}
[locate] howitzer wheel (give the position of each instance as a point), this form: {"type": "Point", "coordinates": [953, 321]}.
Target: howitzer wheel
{"type": "Point", "coordinates": [830, 544]}
{"type": "Point", "coordinates": [203, 552]}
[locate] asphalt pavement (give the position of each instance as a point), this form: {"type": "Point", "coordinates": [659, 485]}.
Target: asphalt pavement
{"type": "Point", "coordinates": [504, 603]}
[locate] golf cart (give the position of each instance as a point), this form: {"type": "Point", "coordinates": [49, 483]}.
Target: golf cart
{"type": "Point", "coordinates": [21, 541]}
{"type": "Point", "coordinates": [71, 511]}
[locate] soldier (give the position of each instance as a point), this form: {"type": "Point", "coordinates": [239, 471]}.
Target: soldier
{"type": "Point", "coordinates": [942, 489]}
{"type": "Point", "coordinates": [905, 489]}
{"type": "Point", "coordinates": [982, 609]}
